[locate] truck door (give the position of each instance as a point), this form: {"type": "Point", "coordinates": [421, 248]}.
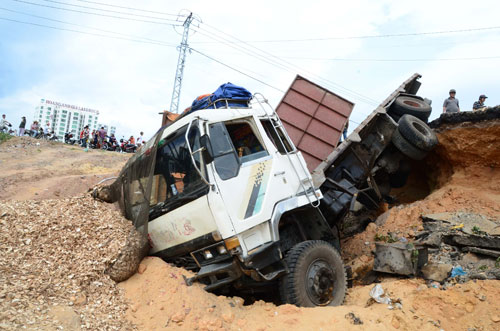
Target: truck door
{"type": "Point", "coordinates": [250, 181]}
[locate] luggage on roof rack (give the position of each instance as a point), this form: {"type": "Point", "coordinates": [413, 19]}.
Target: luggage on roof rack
{"type": "Point", "coordinates": [227, 95]}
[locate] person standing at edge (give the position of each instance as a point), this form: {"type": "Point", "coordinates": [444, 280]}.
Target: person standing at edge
{"type": "Point", "coordinates": [451, 104]}
{"type": "Point", "coordinates": [479, 105]}
{"type": "Point", "coordinates": [22, 126]}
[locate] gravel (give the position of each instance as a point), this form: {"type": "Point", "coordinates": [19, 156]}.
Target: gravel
{"type": "Point", "coordinates": [54, 256]}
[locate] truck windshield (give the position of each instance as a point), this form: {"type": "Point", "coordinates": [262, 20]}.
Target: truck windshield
{"type": "Point", "coordinates": [175, 180]}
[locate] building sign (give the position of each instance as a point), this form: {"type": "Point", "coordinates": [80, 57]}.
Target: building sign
{"type": "Point", "coordinates": [65, 105]}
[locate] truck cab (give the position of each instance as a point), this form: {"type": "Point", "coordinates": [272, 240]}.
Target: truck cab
{"type": "Point", "coordinates": [224, 192]}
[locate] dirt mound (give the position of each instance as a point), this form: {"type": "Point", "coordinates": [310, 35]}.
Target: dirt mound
{"type": "Point", "coordinates": [54, 257]}
{"type": "Point", "coordinates": [159, 298]}
{"type": "Point", "coordinates": [40, 169]}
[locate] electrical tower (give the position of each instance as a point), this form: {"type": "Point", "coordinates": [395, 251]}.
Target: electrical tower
{"type": "Point", "coordinates": [183, 47]}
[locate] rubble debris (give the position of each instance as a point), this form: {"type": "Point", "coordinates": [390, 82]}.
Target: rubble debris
{"type": "Point", "coordinates": [354, 319]}
{"type": "Point", "coordinates": [377, 293]}
{"type": "Point", "coordinates": [482, 251]}
{"type": "Point", "coordinates": [457, 271]}
{"type": "Point", "coordinates": [468, 223]}
{"type": "Point", "coordinates": [54, 257]}
{"type": "Point", "coordinates": [436, 271]}
{"type": "Point", "coordinates": [399, 258]}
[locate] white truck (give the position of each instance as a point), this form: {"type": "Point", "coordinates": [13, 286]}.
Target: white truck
{"type": "Point", "coordinates": [224, 192]}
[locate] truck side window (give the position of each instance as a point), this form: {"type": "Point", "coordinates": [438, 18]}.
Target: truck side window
{"type": "Point", "coordinates": [245, 141]}
{"type": "Point", "coordinates": [226, 160]}
{"type": "Point", "coordinates": [175, 179]}
{"type": "Point", "coordinates": [282, 145]}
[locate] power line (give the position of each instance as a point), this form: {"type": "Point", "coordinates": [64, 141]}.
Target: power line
{"type": "Point", "coordinates": [107, 10]}
{"type": "Point", "coordinates": [232, 68]}
{"type": "Point", "coordinates": [366, 36]}
{"type": "Point", "coordinates": [396, 60]}
{"type": "Point", "coordinates": [88, 27]}
{"type": "Point", "coordinates": [345, 90]}
{"type": "Point", "coordinates": [129, 8]}
{"type": "Point", "coordinates": [95, 14]}
{"type": "Point", "coordinates": [147, 42]}
{"type": "Point", "coordinates": [87, 33]}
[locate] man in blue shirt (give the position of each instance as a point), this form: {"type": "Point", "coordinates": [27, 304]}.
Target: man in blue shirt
{"type": "Point", "coordinates": [451, 104]}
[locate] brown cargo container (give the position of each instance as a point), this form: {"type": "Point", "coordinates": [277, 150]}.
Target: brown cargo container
{"type": "Point", "coordinates": [314, 118]}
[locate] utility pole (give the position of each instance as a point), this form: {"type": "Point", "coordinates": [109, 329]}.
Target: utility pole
{"type": "Point", "coordinates": [183, 47]}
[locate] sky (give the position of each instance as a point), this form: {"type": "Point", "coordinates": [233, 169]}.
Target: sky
{"type": "Point", "coordinates": [120, 56]}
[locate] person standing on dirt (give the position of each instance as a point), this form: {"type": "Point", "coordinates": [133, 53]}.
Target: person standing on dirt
{"type": "Point", "coordinates": [102, 135]}
{"type": "Point", "coordinates": [140, 139]}
{"type": "Point", "coordinates": [479, 105]}
{"type": "Point", "coordinates": [451, 104]}
{"type": "Point", "coordinates": [22, 126]}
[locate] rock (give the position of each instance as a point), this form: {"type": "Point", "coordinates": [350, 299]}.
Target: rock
{"type": "Point", "coordinates": [142, 268]}
{"type": "Point", "coordinates": [495, 318]}
{"type": "Point", "coordinates": [399, 258]}
{"type": "Point", "coordinates": [469, 308]}
{"type": "Point", "coordinates": [470, 258]}
{"type": "Point", "coordinates": [228, 317]}
{"type": "Point", "coordinates": [395, 322]}
{"type": "Point", "coordinates": [178, 317]}
{"type": "Point", "coordinates": [436, 271]}
{"type": "Point", "coordinates": [432, 240]}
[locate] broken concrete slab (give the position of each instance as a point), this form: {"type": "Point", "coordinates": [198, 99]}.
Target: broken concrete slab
{"type": "Point", "coordinates": [436, 271]}
{"type": "Point", "coordinates": [399, 258]}
{"type": "Point", "coordinates": [469, 223]}
{"type": "Point", "coordinates": [488, 252]}
{"type": "Point", "coordinates": [472, 240]}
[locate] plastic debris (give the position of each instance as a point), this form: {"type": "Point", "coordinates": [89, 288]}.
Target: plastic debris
{"type": "Point", "coordinates": [460, 226]}
{"type": "Point", "coordinates": [457, 271]}
{"type": "Point", "coordinates": [377, 293]}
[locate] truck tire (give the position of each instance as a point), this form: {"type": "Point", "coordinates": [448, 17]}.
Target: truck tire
{"type": "Point", "coordinates": [316, 275]}
{"type": "Point", "coordinates": [417, 132]}
{"type": "Point", "coordinates": [412, 106]}
{"type": "Point", "coordinates": [406, 148]}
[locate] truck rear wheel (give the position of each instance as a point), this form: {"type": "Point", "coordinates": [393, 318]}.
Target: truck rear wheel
{"type": "Point", "coordinates": [417, 132]}
{"type": "Point", "coordinates": [411, 106]}
{"type": "Point", "coordinates": [316, 275]}
{"type": "Point", "coordinates": [406, 147]}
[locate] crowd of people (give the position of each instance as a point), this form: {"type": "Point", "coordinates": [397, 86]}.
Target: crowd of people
{"type": "Point", "coordinates": [100, 139]}
{"type": "Point", "coordinates": [96, 139]}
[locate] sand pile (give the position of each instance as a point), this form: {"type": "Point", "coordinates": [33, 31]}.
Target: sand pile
{"type": "Point", "coordinates": [53, 264]}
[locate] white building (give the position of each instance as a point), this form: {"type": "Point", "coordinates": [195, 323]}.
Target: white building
{"type": "Point", "coordinates": [64, 118]}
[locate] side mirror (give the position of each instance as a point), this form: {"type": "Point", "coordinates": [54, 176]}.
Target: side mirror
{"type": "Point", "coordinates": [206, 147]}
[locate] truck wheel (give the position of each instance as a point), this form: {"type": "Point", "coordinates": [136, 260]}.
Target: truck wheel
{"type": "Point", "coordinates": [406, 148]}
{"type": "Point", "coordinates": [316, 275]}
{"type": "Point", "coordinates": [417, 132]}
{"type": "Point", "coordinates": [412, 106]}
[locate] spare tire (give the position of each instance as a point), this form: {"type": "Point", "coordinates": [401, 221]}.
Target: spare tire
{"type": "Point", "coordinates": [412, 106]}
{"type": "Point", "coordinates": [417, 132]}
{"type": "Point", "coordinates": [406, 148]}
